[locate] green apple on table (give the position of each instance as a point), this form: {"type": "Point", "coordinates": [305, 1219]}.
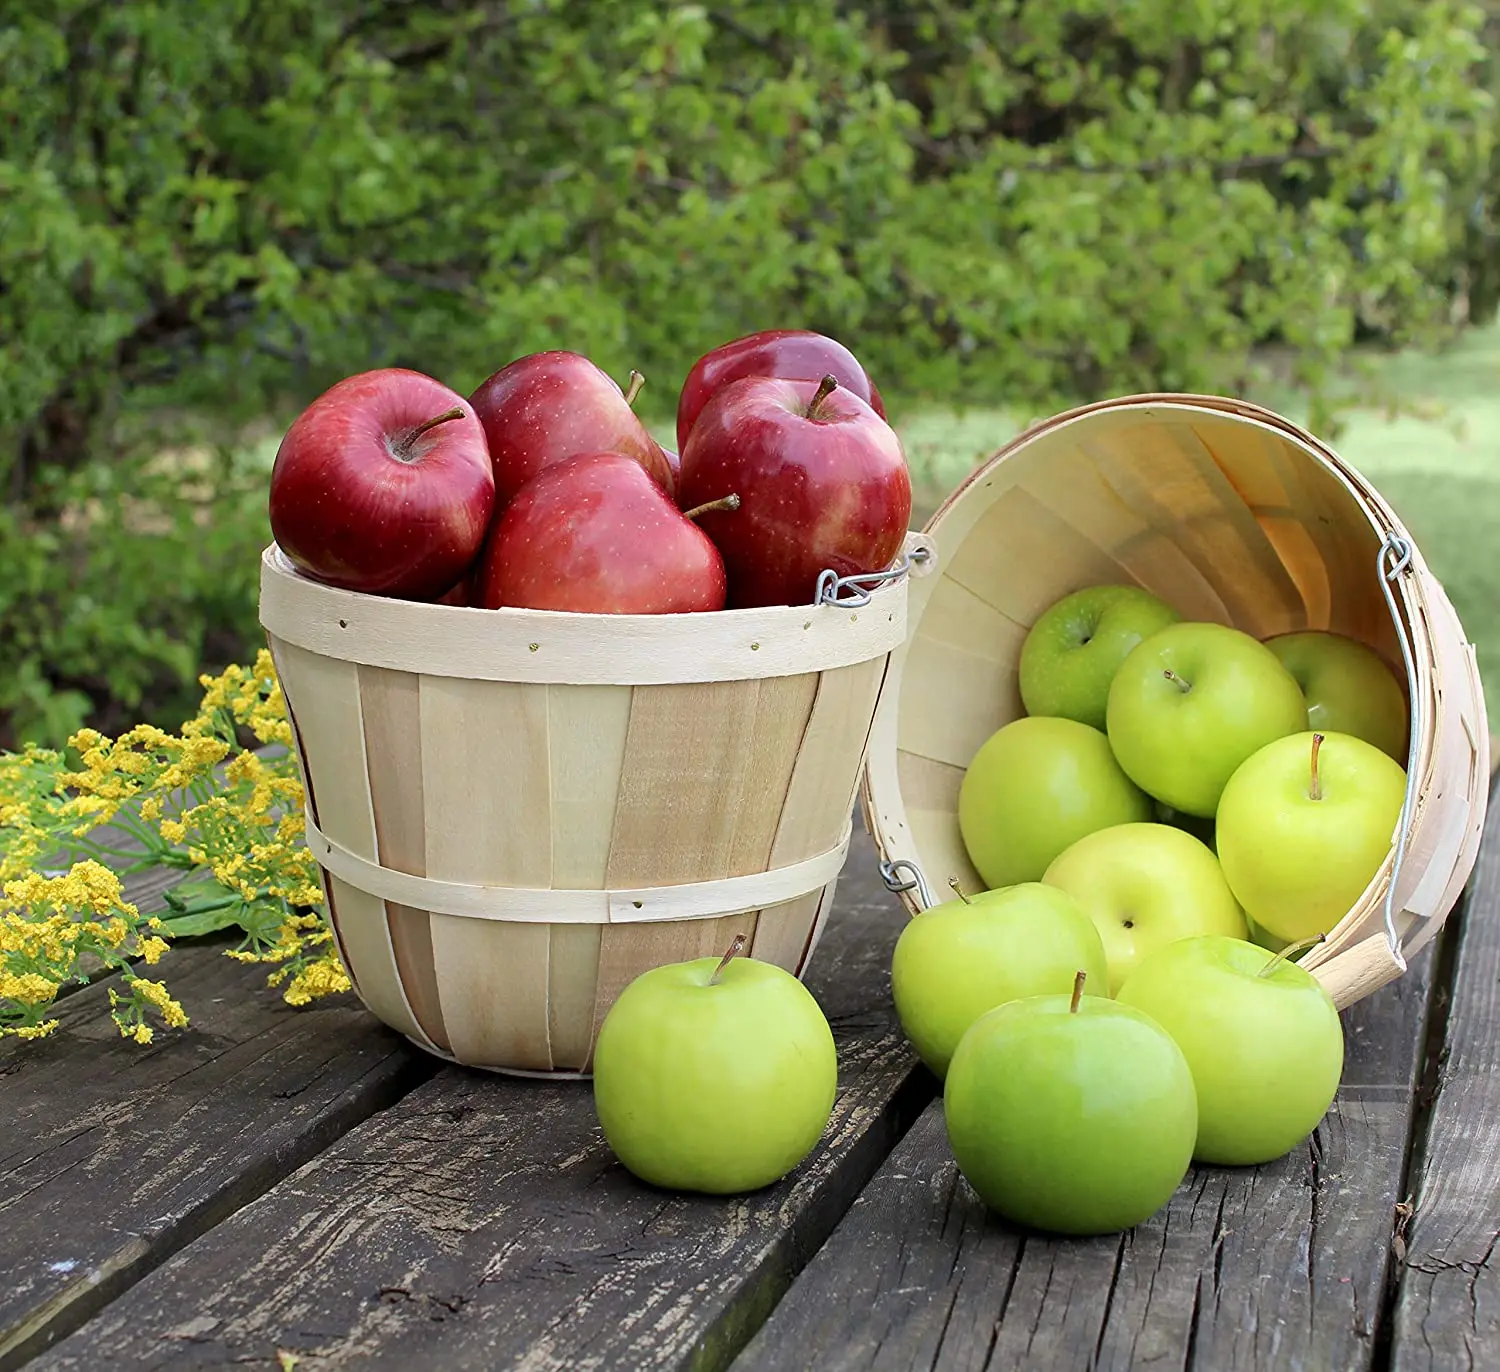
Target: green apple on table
{"type": "Point", "coordinates": [1261, 1036]}
{"type": "Point", "coordinates": [1303, 826]}
{"type": "Point", "coordinates": [1145, 885]}
{"type": "Point", "coordinates": [1071, 1114]}
{"type": "Point", "coordinates": [956, 960]}
{"type": "Point", "coordinates": [1075, 647]}
{"type": "Point", "coordinates": [1348, 688]}
{"type": "Point", "coordinates": [1036, 785]}
{"type": "Point", "coordinates": [1191, 703]}
{"type": "Point", "coordinates": [714, 1075]}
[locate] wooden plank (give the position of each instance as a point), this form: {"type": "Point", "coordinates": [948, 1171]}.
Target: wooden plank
{"type": "Point", "coordinates": [1284, 1265]}
{"type": "Point", "coordinates": [114, 1156]}
{"type": "Point", "coordinates": [482, 1223]}
{"type": "Point", "coordinates": [1448, 1307]}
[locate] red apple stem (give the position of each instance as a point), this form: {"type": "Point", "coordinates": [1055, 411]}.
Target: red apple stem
{"type": "Point", "coordinates": [735, 948]}
{"type": "Point", "coordinates": [1077, 991]}
{"type": "Point", "coordinates": [1289, 951]}
{"type": "Point", "coordinates": [1315, 786]}
{"type": "Point", "coordinates": [1178, 682]}
{"type": "Point", "coordinates": [826, 387]}
{"type": "Point", "coordinates": [959, 891]}
{"type": "Point", "coordinates": [634, 388]}
{"type": "Point", "coordinates": [402, 447]}
{"type": "Point", "coordinates": [727, 502]}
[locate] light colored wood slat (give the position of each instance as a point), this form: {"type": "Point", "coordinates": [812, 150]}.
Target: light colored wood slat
{"type": "Point", "coordinates": [411, 945]}
{"type": "Point", "coordinates": [486, 775]}
{"type": "Point", "coordinates": [493, 981]}
{"type": "Point", "coordinates": [687, 754]}
{"type": "Point", "coordinates": [366, 940]}
{"type": "Point", "coordinates": [783, 707]}
{"type": "Point", "coordinates": [1020, 558]}
{"type": "Point", "coordinates": [587, 727]}
{"type": "Point", "coordinates": [951, 701]}
{"type": "Point", "coordinates": [573, 978]}
{"type": "Point", "coordinates": [783, 932]}
{"type": "Point", "coordinates": [926, 784]}
{"type": "Point", "coordinates": [955, 616]}
{"type": "Point", "coordinates": [390, 709]}
{"type": "Point", "coordinates": [820, 923]}
{"type": "Point", "coordinates": [1068, 482]}
{"type": "Point", "coordinates": [821, 794]}
{"type": "Point", "coordinates": [324, 695]}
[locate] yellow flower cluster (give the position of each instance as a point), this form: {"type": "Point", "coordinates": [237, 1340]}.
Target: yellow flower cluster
{"type": "Point", "coordinates": [228, 816]}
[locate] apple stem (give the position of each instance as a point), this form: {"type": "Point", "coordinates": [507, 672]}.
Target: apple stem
{"type": "Point", "coordinates": [402, 448]}
{"type": "Point", "coordinates": [959, 891]}
{"type": "Point", "coordinates": [1289, 951]}
{"type": "Point", "coordinates": [1178, 682]}
{"type": "Point", "coordinates": [1315, 787]}
{"type": "Point", "coordinates": [826, 387]}
{"type": "Point", "coordinates": [728, 502]}
{"type": "Point", "coordinates": [1077, 991]}
{"type": "Point", "coordinates": [634, 389]}
{"type": "Point", "coordinates": [735, 948]}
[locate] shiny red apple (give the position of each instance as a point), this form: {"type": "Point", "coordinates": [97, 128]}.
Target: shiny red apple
{"type": "Point", "coordinates": [594, 534]}
{"type": "Point", "coordinates": [791, 354]}
{"type": "Point", "coordinates": [545, 407]}
{"type": "Point", "coordinates": [384, 485]}
{"type": "Point", "coordinates": [822, 483]}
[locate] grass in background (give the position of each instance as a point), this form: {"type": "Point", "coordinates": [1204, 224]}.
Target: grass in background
{"type": "Point", "coordinates": [1438, 463]}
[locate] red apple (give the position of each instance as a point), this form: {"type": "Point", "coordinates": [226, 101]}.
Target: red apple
{"type": "Point", "coordinates": [791, 354]}
{"type": "Point", "coordinates": [594, 534]}
{"type": "Point", "coordinates": [547, 406]}
{"type": "Point", "coordinates": [822, 483]}
{"type": "Point", "coordinates": [383, 484]}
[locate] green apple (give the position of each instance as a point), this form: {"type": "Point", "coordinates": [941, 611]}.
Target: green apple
{"type": "Point", "coordinates": [1075, 647]}
{"type": "Point", "coordinates": [1304, 824]}
{"type": "Point", "coordinates": [1348, 688]}
{"type": "Point", "coordinates": [1074, 1115]}
{"type": "Point", "coordinates": [1035, 786]}
{"type": "Point", "coordinates": [1193, 702]}
{"type": "Point", "coordinates": [714, 1075]}
{"type": "Point", "coordinates": [963, 957]}
{"type": "Point", "coordinates": [1145, 885]}
{"type": "Point", "coordinates": [1261, 1036]}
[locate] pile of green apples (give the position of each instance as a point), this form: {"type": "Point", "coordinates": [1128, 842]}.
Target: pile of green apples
{"type": "Point", "coordinates": [1182, 810]}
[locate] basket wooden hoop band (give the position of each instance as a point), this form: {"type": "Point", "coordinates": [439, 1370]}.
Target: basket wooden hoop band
{"type": "Point", "coordinates": [852, 623]}
{"type": "Point", "coordinates": [685, 900]}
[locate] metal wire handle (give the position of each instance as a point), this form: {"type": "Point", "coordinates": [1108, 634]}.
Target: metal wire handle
{"type": "Point", "coordinates": [1397, 551]}
{"type": "Point", "coordinates": [832, 587]}
{"type": "Point", "coordinates": [890, 873]}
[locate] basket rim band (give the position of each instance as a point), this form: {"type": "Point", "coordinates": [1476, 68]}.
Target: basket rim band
{"type": "Point", "coordinates": [548, 647]}
{"type": "Point", "coordinates": [532, 905]}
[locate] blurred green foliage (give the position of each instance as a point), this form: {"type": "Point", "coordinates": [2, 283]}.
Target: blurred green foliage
{"type": "Point", "coordinates": [211, 209]}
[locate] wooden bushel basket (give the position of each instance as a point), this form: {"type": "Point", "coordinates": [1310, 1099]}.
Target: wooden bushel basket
{"type": "Point", "coordinates": [516, 812]}
{"type": "Point", "coordinates": [1230, 513]}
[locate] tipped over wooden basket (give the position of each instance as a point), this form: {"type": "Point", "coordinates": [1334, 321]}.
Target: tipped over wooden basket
{"type": "Point", "coordinates": [1230, 513]}
{"type": "Point", "coordinates": [516, 812]}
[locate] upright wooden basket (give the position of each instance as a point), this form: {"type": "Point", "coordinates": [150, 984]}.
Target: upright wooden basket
{"type": "Point", "coordinates": [516, 812]}
{"type": "Point", "coordinates": [1230, 513]}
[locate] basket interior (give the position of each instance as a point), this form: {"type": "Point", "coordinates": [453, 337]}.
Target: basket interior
{"type": "Point", "coordinates": [1225, 518]}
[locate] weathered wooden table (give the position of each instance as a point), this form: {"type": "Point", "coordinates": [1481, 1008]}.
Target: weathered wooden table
{"type": "Point", "coordinates": [299, 1188]}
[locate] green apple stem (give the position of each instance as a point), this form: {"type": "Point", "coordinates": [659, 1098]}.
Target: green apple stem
{"type": "Point", "coordinates": [826, 387]}
{"type": "Point", "coordinates": [728, 502]}
{"type": "Point", "coordinates": [1077, 991]}
{"type": "Point", "coordinates": [735, 948]}
{"type": "Point", "coordinates": [401, 448]}
{"type": "Point", "coordinates": [634, 388]}
{"type": "Point", "coordinates": [1289, 951]}
{"type": "Point", "coordinates": [1178, 682]}
{"type": "Point", "coordinates": [1315, 786]}
{"type": "Point", "coordinates": [959, 891]}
